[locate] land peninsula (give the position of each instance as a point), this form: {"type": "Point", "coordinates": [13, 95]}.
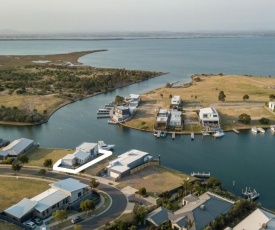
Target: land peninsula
{"type": "Point", "coordinates": [32, 87]}
{"type": "Point", "coordinates": [244, 95]}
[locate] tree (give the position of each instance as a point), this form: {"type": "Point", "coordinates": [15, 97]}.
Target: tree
{"type": "Point", "coordinates": [23, 158]}
{"type": "Point", "coordinates": [16, 167]}
{"type": "Point", "coordinates": [140, 213]}
{"type": "Point", "coordinates": [42, 172]}
{"type": "Point", "coordinates": [221, 96]}
{"type": "Point", "coordinates": [213, 182]}
{"type": "Point", "coordinates": [264, 121]}
{"type": "Point", "coordinates": [245, 118]}
{"type": "Point", "coordinates": [245, 97]}
{"type": "Point", "coordinates": [60, 215]}
{"type": "Point", "coordinates": [142, 191]}
{"type": "Point", "coordinates": [161, 95]}
{"type": "Point", "coordinates": [94, 183]}
{"type": "Point", "coordinates": [119, 100]}
{"type": "Point", "coordinates": [48, 163]}
{"type": "Point", "coordinates": [170, 96]}
{"type": "Point", "coordinates": [271, 96]}
{"type": "Point", "coordinates": [87, 205]}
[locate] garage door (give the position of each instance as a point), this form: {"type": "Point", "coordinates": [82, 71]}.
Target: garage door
{"type": "Point", "coordinates": [114, 175]}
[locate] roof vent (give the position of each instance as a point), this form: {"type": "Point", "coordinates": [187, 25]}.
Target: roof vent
{"type": "Point", "coordinates": [264, 226]}
{"type": "Point", "coordinates": [202, 207]}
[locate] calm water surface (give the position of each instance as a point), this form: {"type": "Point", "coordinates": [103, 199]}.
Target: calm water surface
{"type": "Point", "coordinates": [246, 159]}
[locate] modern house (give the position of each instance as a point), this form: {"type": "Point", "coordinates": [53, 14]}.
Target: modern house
{"type": "Point", "coordinates": [162, 120]}
{"type": "Point", "coordinates": [201, 211]}
{"type": "Point", "coordinates": [43, 205]}
{"type": "Point", "coordinates": [176, 120]}
{"type": "Point", "coordinates": [175, 102]}
{"type": "Point", "coordinates": [209, 119]}
{"type": "Point", "coordinates": [122, 165]}
{"type": "Point", "coordinates": [121, 113]}
{"type": "Point", "coordinates": [134, 100]}
{"type": "Point", "coordinates": [17, 147]}
{"type": "Point", "coordinates": [84, 152]}
{"type": "Point", "coordinates": [257, 220]}
{"type": "Point", "coordinates": [271, 105]}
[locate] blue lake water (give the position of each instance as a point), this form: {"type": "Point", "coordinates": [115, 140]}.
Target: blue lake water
{"type": "Point", "coordinates": [246, 159]}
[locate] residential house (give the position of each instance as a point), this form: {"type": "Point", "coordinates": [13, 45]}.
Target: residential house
{"type": "Point", "coordinates": [199, 211]}
{"type": "Point", "coordinates": [17, 147]}
{"type": "Point", "coordinates": [258, 220]}
{"type": "Point", "coordinates": [134, 100]}
{"type": "Point", "coordinates": [84, 152]}
{"type": "Point", "coordinates": [43, 205]}
{"type": "Point", "coordinates": [122, 165]}
{"type": "Point", "coordinates": [209, 119]}
{"type": "Point", "coordinates": [159, 216]}
{"type": "Point", "coordinates": [176, 120]}
{"type": "Point", "coordinates": [162, 119]}
{"type": "Point", "coordinates": [175, 102]}
{"type": "Point", "coordinates": [121, 113]}
{"type": "Point", "coordinates": [271, 105]}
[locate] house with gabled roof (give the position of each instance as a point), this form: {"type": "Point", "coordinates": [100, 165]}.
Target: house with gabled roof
{"type": "Point", "coordinates": [17, 147]}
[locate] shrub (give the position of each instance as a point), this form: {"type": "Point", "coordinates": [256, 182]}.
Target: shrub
{"type": "Point", "coordinates": [245, 118]}
{"type": "Point", "coordinates": [264, 121]}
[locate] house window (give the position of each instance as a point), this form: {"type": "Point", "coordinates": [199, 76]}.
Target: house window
{"type": "Point", "coordinates": [43, 213]}
{"type": "Point", "coordinates": [79, 194]}
{"type": "Point", "coordinates": [204, 115]}
{"type": "Point", "coordinates": [53, 207]}
{"type": "Point", "coordinates": [47, 211]}
{"type": "Point", "coordinates": [58, 205]}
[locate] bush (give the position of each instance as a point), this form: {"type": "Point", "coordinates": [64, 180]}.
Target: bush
{"type": "Point", "coordinates": [8, 161]}
{"type": "Point", "coordinates": [264, 121]}
{"type": "Point", "coordinates": [245, 118]}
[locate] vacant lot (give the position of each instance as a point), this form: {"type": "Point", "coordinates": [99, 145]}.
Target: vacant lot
{"type": "Point", "coordinates": [155, 179]}
{"type": "Point", "coordinates": [13, 190]}
{"type": "Point", "coordinates": [204, 93]}
{"type": "Point", "coordinates": [8, 226]}
{"type": "Point", "coordinates": [38, 156]}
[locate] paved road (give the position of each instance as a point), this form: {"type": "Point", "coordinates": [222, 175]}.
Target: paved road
{"type": "Point", "coordinates": [119, 201]}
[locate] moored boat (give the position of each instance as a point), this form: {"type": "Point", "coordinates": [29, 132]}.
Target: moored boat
{"type": "Point", "coordinates": [250, 194]}
{"type": "Point", "coordinates": [272, 127]}
{"type": "Point", "coordinates": [200, 175]}
{"type": "Point", "coordinates": [218, 133]}
{"type": "Point", "coordinates": [236, 131]}
{"type": "Point", "coordinates": [261, 130]}
{"type": "Point", "coordinates": [104, 146]}
{"type": "Point", "coordinates": [254, 129]}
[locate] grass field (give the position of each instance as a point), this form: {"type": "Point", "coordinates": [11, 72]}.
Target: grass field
{"type": "Point", "coordinates": [155, 179]}
{"type": "Point", "coordinates": [38, 156]}
{"type": "Point", "coordinates": [13, 190]}
{"type": "Point", "coordinates": [204, 93]}
{"type": "Point", "coordinates": [8, 226]}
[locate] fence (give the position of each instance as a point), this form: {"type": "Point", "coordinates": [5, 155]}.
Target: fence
{"type": "Point", "coordinates": [10, 220]}
{"type": "Point", "coordinates": [150, 163]}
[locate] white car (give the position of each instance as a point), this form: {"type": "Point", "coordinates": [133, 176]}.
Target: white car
{"type": "Point", "coordinates": [30, 224]}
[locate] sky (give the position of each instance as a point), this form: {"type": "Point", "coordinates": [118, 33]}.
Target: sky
{"type": "Point", "coordinates": [136, 15]}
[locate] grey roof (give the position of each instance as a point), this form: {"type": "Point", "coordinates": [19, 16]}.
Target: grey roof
{"type": "Point", "coordinates": [69, 185]}
{"type": "Point", "coordinates": [21, 208]}
{"type": "Point", "coordinates": [86, 147]}
{"type": "Point", "coordinates": [3, 153]}
{"type": "Point", "coordinates": [81, 155]}
{"type": "Point", "coordinates": [17, 146]}
{"type": "Point", "coordinates": [49, 198]}
{"type": "Point", "coordinates": [190, 198]}
{"type": "Point", "coordinates": [122, 108]}
{"type": "Point", "coordinates": [158, 216]}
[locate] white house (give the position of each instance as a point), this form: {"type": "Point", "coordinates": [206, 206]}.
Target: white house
{"type": "Point", "coordinates": [18, 146]}
{"type": "Point", "coordinates": [175, 102]}
{"type": "Point", "coordinates": [134, 100]}
{"type": "Point", "coordinates": [43, 205]}
{"type": "Point", "coordinates": [271, 105]}
{"type": "Point", "coordinates": [82, 155]}
{"type": "Point", "coordinates": [121, 113]}
{"type": "Point", "coordinates": [122, 165]}
{"type": "Point", "coordinates": [175, 118]}
{"type": "Point", "coordinates": [209, 119]}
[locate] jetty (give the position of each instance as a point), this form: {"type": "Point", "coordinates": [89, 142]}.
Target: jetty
{"type": "Point", "coordinates": [173, 135]}
{"type": "Point", "coordinates": [200, 175]}
{"type": "Point", "coordinates": [192, 136]}
{"type": "Point", "coordinates": [236, 131]}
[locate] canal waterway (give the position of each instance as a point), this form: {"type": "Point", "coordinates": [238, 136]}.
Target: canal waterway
{"type": "Point", "coordinates": [246, 159]}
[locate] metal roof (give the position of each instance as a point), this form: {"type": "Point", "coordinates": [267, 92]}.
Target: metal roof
{"type": "Point", "coordinates": [81, 155]}
{"type": "Point", "coordinates": [69, 185]}
{"type": "Point", "coordinates": [17, 146]}
{"type": "Point", "coordinates": [21, 208]}
{"type": "Point", "coordinates": [86, 147]}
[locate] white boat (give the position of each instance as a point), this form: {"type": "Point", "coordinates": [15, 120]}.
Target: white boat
{"type": "Point", "coordinates": [104, 146]}
{"type": "Point", "coordinates": [103, 111]}
{"type": "Point", "coordinates": [202, 175]}
{"type": "Point", "coordinates": [236, 131]}
{"type": "Point", "coordinates": [192, 136]}
{"type": "Point", "coordinates": [261, 130]}
{"type": "Point", "coordinates": [254, 129]}
{"type": "Point", "coordinates": [250, 194]}
{"type": "Point", "coordinates": [218, 133]}
{"type": "Point", "coordinates": [272, 127]}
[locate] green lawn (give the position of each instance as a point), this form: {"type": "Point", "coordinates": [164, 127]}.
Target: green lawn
{"type": "Point", "coordinates": [38, 156]}
{"type": "Point", "coordinates": [13, 190]}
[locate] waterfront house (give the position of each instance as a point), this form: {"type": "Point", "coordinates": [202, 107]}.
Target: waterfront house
{"type": "Point", "coordinates": [158, 216]}
{"type": "Point", "coordinates": [209, 119]}
{"type": "Point", "coordinates": [17, 147]}
{"type": "Point", "coordinates": [175, 102]}
{"type": "Point", "coordinates": [258, 220]}
{"type": "Point", "coordinates": [162, 119]}
{"type": "Point", "coordinates": [84, 152]}
{"type": "Point", "coordinates": [121, 113]}
{"type": "Point", "coordinates": [271, 105]}
{"type": "Point", "coordinates": [176, 120]}
{"type": "Point", "coordinates": [200, 210]}
{"type": "Point", "coordinates": [123, 164]}
{"type": "Point", "coordinates": [134, 100]}
{"type": "Point", "coordinates": [60, 194]}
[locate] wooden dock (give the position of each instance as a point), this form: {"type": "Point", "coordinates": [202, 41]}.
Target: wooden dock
{"type": "Point", "coordinates": [192, 136]}
{"type": "Point", "coordinates": [236, 131]}
{"type": "Point", "coordinates": [200, 175]}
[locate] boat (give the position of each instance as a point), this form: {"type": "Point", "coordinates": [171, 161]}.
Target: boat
{"type": "Point", "coordinates": [205, 133]}
{"type": "Point", "coordinates": [218, 133]}
{"type": "Point", "coordinates": [192, 136]}
{"type": "Point", "coordinates": [103, 111]}
{"type": "Point", "coordinates": [104, 146]}
{"type": "Point", "coordinates": [254, 129]}
{"type": "Point", "coordinates": [236, 131]}
{"type": "Point", "coordinates": [201, 175]}
{"type": "Point", "coordinates": [250, 194]}
{"type": "Point", "coordinates": [173, 135]}
{"type": "Point", "coordinates": [163, 134]}
{"type": "Point", "coordinates": [272, 127]}
{"type": "Point", "coordinates": [261, 130]}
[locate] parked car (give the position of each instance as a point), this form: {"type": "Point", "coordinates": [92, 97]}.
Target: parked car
{"type": "Point", "coordinates": [38, 221]}
{"type": "Point", "coordinates": [30, 224]}
{"type": "Point", "coordinates": [76, 219]}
